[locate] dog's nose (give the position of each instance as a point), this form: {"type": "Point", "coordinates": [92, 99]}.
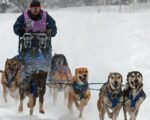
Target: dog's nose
{"type": "Point", "coordinates": [116, 82]}
{"type": "Point", "coordinates": [84, 75]}
{"type": "Point", "coordinates": [136, 81]}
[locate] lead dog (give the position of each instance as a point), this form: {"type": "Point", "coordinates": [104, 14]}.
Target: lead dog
{"type": "Point", "coordinates": [110, 97]}
{"type": "Point", "coordinates": [78, 92]}
{"type": "Point", "coordinates": [133, 94]}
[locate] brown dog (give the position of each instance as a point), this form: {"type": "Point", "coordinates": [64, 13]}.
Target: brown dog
{"type": "Point", "coordinates": [78, 92]}
{"type": "Point", "coordinates": [10, 78]}
{"type": "Point", "coordinates": [110, 97]}
{"type": "Point", "coordinates": [34, 86]}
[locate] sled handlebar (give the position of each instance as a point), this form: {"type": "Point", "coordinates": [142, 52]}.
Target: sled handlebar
{"type": "Point", "coordinates": [29, 36]}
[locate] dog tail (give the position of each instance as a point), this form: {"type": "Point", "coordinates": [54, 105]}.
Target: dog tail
{"type": "Point", "coordinates": [1, 71]}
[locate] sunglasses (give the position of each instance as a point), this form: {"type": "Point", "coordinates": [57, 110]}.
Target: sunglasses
{"type": "Point", "coordinates": [35, 9]}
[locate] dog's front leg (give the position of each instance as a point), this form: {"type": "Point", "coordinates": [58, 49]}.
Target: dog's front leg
{"type": "Point", "coordinates": [102, 112]}
{"type": "Point", "coordinates": [3, 82]}
{"type": "Point", "coordinates": [32, 102]}
{"type": "Point", "coordinates": [107, 105]}
{"type": "Point", "coordinates": [116, 112]}
{"type": "Point", "coordinates": [134, 111]}
{"type": "Point", "coordinates": [125, 111]}
{"type": "Point", "coordinates": [41, 99]}
{"type": "Point", "coordinates": [76, 103]}
{"type": "Point", "coordinates": [22, 96]}
{"type": "Point", "coordinates": [82, 105]}
{"type": "Point", "coordinates": [5, 92]}
{"type": "Point", "coordinates": [70, 101]}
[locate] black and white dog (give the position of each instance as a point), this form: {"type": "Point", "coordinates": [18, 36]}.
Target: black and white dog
{"type": "Point", "coordinates": [133, 94]}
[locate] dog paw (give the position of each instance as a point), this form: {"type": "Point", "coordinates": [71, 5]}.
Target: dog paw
{"type": "Point", "coordinates": [20, 109]}
{"type": "Point", "coordinates": [132, 109]}
{"type": "Point", "coordinates": [80, 116]}
{"type": "Point", "coordinates": [41, 111]}
{"type": "Point", "coordinates": [5, 100]}
{"type": "Point", "coordinates": [110, 115]}
{"type": "Point", "coordinates": [31, 112]}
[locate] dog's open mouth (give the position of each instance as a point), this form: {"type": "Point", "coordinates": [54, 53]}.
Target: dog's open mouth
{"type": "Point", "coordinates": [83, 78]}
{"type": "Point", "coordinates": [136, 85]}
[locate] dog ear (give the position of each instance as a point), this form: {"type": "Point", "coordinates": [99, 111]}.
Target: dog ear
{"type": "Point", "coordinates": [121, 78]}
{"type": "Point", "coordinates": [128, 75]}
{"type": "Point", "coordinates": [141, 76]}
{"type": "Point", "coordinates": [76, 72]}
{"type": "Point", "coordinates": [109, 76]}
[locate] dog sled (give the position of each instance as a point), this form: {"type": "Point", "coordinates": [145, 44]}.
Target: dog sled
{"type": "Point", "coordinates": [35, 52]}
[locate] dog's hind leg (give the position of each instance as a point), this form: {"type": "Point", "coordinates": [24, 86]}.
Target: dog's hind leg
{"type": "Point", "coordinates": [65, 94]}
{"type": "Point", "coordinates": [41, 99]}
{"type": "Point", "coordinates": [55, 94]}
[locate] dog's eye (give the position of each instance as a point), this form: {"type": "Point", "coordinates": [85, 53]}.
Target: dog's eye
{"type": "Point", "coordinates": [118, 77]}
{"type": "Point", "coordinates": [79, 72]}
{"type": "Point", "coordinates": [132, 76]}
{"type": "Point", "coordinates": [112, 77]}
{"type": "Point", "coordinates": [138, 76]}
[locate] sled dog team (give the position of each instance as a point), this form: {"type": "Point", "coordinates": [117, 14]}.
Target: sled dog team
{"type": "Point", "coordinates": [112, 96]}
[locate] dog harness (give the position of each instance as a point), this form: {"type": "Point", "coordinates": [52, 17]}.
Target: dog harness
{"type": "Point", "coordinates": [136, 98]}
{"type": "Point", "coordinates": [80, 89]}
{"type": "Point", "coordinates": [113, 96]}
{"type": "Point", "coordinates": [34, 89]}
{"type": "Point", "coordinates": [10, 80]}
{"type": "Point", "coordinates": [35, 26]}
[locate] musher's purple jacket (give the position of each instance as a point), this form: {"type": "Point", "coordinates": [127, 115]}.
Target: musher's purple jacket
{"type": "Point", "coordinates": [29, 23]}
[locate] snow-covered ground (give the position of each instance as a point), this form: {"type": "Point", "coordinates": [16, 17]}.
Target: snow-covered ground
{"type": "Point", "coordinates": [103, 42]}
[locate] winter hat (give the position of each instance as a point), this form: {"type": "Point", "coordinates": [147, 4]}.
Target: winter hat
{"type": "Point", "coordinates": [35, 3]}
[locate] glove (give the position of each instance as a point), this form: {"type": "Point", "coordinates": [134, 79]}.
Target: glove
{"type": "Point", "coordinates": [21, 31]}
{"type": "Point", "coordinates": [48, 32]}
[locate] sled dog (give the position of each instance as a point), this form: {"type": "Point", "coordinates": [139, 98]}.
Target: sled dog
{"type": "Point", "coordinates": [60, 72]}
{"type": "Point", "coordinates": [133, 94]}
{"type": "Point", "coordinates": [110, 96]}
{"type": "Point", "coordinates": [10, 78]}
{"type": "Point", "coordinates": [33, 86]}
{"type": "Point", "coordinates": [79, 92]}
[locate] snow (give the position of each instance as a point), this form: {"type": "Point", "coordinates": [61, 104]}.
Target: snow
{"type": "Point", "coordinates": [102, 41]}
